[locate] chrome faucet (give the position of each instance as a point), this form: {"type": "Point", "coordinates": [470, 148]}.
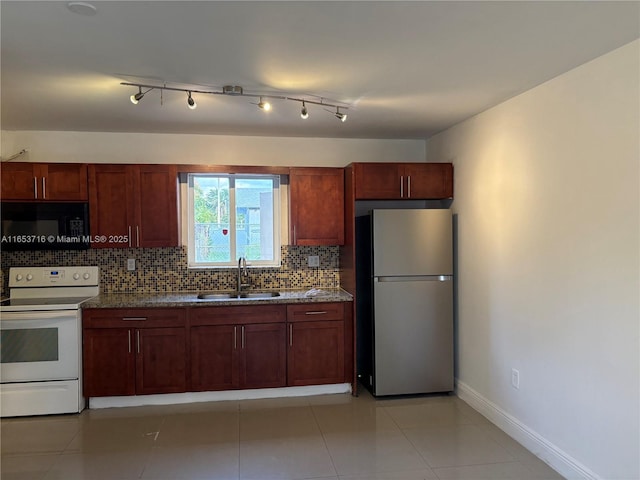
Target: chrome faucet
{"type": "Point", "coordinates": [242, 273]}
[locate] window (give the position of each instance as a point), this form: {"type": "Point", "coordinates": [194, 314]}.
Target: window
{"type": "Point", "coordinates": [232, 216]}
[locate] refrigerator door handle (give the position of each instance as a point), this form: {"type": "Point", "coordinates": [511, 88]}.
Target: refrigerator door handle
{"type": "Point", "coordinates": [415, 278]}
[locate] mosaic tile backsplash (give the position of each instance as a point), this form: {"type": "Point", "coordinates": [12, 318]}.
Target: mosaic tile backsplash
{"type": "Point", "coordinates": [165, 269]}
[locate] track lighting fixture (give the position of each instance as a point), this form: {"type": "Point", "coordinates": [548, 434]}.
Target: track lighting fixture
{"type": "Point", "coordinates": [238, 91]}
{"type": "Point", "coordinates": [137, 97]}
{"type": "Point", "coordinates": [191, 102]}
{"type": "Point", "coordinates": [266, 106]}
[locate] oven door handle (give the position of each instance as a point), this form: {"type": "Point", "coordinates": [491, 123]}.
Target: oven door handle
{"type": "Point", "coordinates": [36, 316]}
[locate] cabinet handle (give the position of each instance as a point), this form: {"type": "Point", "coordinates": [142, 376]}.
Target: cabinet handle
{"type": "Point", "coordinates": [133, 319]}
{"type": "Point", "coordinates": [317, 312]}
{"type": "Point", "coordinates": [408, 186]}
{"type": "Point", "coordinates": [35, 187]}
{"type": "Point", "coordinates": [129, 236]}
{"type": "Point", "coordinates": [294, 235]}
{"type": "Point", "coordinates": [138, 339]}
{"type": "Point", "coordinates": [44, 190]}
{"type": "Point", "coordinates": [290, 335]}
{"type": "Point", "coordinates": [401, 186]}
{"type": "Point", "coordinates": [129, 336]}
{"type": "Point", "coordinates": [242, 337]}
{"type": "Point", "coordinates": [137, 236]}
{"type": "Point", "coordinates": [235, 338]}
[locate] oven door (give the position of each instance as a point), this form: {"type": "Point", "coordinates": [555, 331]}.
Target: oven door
{"type": "Point", "coordinates": [37, 346]}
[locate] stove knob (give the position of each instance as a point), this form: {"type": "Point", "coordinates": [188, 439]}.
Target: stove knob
{"type": "Point", "coordinates": [29, 277]}
{"type": "Point", "coordinates": [86, 276]}
{"type": "Point", "coordinates": [19, 277]}
{"type": "Point", "coordinates": [76, 276]}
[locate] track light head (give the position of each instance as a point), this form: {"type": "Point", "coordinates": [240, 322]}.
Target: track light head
{"type": "Point", "coordinates": [304, 113]}
{"type": "Point", "coordinates": [137, 97]}
{"type": "Point", "coordinates": [191, 102]}
{"type": "Point", "coordinates": [340, 116]}
{"type": "Point", "coordinates": [266, 106]}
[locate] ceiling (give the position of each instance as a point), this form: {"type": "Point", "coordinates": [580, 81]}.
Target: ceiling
{"type": "Point", "coordinates": [406, 69]}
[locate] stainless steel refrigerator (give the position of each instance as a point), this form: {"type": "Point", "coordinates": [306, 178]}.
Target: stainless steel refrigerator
{"type": "Point", "coordinates": [404, 301]}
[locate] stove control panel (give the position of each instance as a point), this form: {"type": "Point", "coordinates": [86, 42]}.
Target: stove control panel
{"type": "Point", "coordinates": [53, 276]}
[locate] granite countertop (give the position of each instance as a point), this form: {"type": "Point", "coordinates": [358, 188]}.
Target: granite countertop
{"type": "Point", "coordinates": [190, 299]}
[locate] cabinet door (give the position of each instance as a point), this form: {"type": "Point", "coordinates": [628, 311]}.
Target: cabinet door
{"type": "Point", "coordinates": [214, 357]}
{"type": "Point", "coordinates": [110, 205]}
{"type": "Point", "coordinates": [378, 181]}
{"type": "Point", "coordinates": [317, 206]}
{"type": "Point", "coordinates": [108, 362]}
{"type": "Point", "coordinates": [316, 353]}
{"type": "Point", "coordinates": [428, 180]}
{"type": "Point", "coordinates": [156, 223]}
{"type": "Point", "coordinates": [264, 355]}
{"type": "Point", "coordinates": [160, 360]}
{"type": "Point", "coordinates": [64, 181]}
{"type": "Point", "coordinates": [18, 181]}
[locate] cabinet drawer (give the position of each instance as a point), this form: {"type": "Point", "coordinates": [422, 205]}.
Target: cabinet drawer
{"type": "Point", "coordinates": [305, 312]}
{"type": "Point", "coordinates": [133, 317]}
{"type": "Point", "coordinates": [237, 315]}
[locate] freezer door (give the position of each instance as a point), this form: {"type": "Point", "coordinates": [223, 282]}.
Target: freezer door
{"type": "Point", "coordinates": [413, 331]}
{"type": "Point", "coordinates": [412, 242]}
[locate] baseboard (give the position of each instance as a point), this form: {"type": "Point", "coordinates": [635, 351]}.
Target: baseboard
{"type": "Point", "coordinates": [556, 458]}
{"type": "Point", "coordinates": [194, 397]}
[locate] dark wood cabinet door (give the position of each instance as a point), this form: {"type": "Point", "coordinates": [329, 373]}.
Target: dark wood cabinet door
{"type": "Point", "coordinates": [428, 180]}
{"type": "Point", "coordinates": [378, 181]}
{"type": "Point", "coordinates": [317, 206]}
{"type": "Point", "coordinates": [264, 355]}
{"type": "Point", "coordinates": [108, 362]}
{"type": "Point", "coordinates": [19, 181]}
{"type": "Point", "coordinates": [214, 357]}
{"type": "Point", "coordinates": [156, 221]}
{"type": "Point", "coordinates": [316, 353]}
{"type": "Point", "coordinates": [110, 205]}
{"type": "Point", "coordinates": [160, 360]}
{"type": "Point", "coordinates": [65, 181]}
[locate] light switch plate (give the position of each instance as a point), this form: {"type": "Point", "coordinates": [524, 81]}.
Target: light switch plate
{"type": "Point", "coordinates": [131, 264]}
{"type": "Point", "coordinates": [314, 260]}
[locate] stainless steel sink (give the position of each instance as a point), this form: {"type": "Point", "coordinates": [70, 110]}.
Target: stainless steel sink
{"type": "Point", "coordinates": [234, 295]}
{"type": "Point", "coordinates": [258, 295]}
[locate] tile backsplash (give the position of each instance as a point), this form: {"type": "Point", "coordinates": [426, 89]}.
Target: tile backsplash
{"type": "Point", "coordinates": [165, 269]}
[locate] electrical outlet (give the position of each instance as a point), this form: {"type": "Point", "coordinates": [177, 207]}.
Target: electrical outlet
{"type": "Point", "coordinates": [131, 264]}
{"type": "Point", "coordinates": [515, 378]}
{"type": "Point", "coordinates": [314, 260]}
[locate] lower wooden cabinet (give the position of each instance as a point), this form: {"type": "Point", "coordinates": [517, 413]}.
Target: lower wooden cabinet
{"type": "Point", "coordinates": [316, 344]}
{"type": "Point", "coordinates": [238, 347]}
{"type": "Point", "coordinates": [133, 352]}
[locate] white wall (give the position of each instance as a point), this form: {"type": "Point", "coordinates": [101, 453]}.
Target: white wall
{"type": "Point", "coordinates": [103, 147]}
{"type": "Point", "coordinates": [548, 220]}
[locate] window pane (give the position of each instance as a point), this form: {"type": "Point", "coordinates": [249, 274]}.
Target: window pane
{"type": "Point", "coordinates": [254, 218]}
{"type": "Point", "coordinates": [212, 233]}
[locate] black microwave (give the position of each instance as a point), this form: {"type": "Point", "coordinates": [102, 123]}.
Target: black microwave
{"type": "Point", "coordinates": [45, 226]}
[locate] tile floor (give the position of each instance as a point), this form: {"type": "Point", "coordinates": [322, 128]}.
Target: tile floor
{"type": "Point", "coordinates": [325, 437]}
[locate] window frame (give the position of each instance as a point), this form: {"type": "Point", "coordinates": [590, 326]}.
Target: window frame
{"type": "Point", "coordinates": [233, 178]}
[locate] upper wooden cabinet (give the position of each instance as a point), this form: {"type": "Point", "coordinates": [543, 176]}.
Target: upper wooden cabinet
{"type": "Point", "coordinates": [44, 181]}
{"type": "Point", "coordinates": [134, 205]}
{"type": "Point", "coordinates": [316, 206]}
{"type": "Point", "coordinates": [402, 181]}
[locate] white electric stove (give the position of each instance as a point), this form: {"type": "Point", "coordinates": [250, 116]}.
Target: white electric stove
{"type": "Point", "coordinates": [41, 340]}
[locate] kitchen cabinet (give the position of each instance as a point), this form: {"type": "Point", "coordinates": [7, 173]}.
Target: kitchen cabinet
{"type": "Point", "coordinates": [403, 181]}
{"type": "Point", "coordinates": [44, 181]}
{"type": "Point", "coordinates": [133, 351]}
{"type": "Point", "coordinates": [316, 206]}
{"type": "Point", "coordinates": [316, 344]}
{"type": "Point", "coordinates": [237, 347]}
{"type": "Point", "coordinates": [134, 205]}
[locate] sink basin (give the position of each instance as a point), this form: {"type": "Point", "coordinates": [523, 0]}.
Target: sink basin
{"type": "Point", "coordinates": [259, 295]}
{"type": "Point", "coordinates": [234, 295]}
